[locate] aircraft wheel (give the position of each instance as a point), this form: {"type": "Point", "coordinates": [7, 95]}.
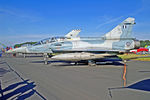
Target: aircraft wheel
{"type": "Point", "coordinates": [91, 63]}
{"type": "Point", "coordinates": [45, 58]}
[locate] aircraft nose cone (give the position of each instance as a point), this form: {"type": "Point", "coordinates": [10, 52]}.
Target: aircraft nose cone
{"type": "Point", "coordinates": [14, 50]}
{"type": "Point", "coordinates": [9, 51]}
{"type": "Point", "coordinates": [19, 50]}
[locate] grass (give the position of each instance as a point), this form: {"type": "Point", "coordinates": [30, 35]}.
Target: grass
{"type": "Point", "coordinates": [135, 57]}
{"type": "Point", "coordinates": [143, 59]}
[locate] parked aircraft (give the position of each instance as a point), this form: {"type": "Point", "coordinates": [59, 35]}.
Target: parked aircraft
{"type": "Point", "coordinates": [92, 48]}
{"type": "Point", "coordinates": [43, 45]}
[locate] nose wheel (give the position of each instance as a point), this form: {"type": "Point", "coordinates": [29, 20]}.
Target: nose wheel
{"type": "Point", "coordinates": [24, 55]}
{"type": "Point", "coordinates": [45, 58]}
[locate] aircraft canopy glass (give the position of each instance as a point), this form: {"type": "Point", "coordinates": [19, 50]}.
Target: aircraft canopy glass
{"type": "Point", "coordinates": [50, 40]}
{"type": "Point", "coordinates": [26, 45]}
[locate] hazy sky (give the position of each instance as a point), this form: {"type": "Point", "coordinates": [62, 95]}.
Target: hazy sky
{"type": "Point", "coordinates": [32, 20]}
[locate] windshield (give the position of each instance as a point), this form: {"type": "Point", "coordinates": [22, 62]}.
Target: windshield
{"type": "Point", "coordinates": [50, 40]}
{"type": "Point", "coordinates": [26, 45]}
{"type": "Point", "coordinates": [38, 43]}
{"type": "Point", "coordinates": [54, 39]}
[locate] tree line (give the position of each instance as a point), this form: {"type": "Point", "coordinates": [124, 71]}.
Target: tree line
{"type": "Point", "coordinates": [26, 43]}
{"type": "Point", "coordinates": [144, 43]}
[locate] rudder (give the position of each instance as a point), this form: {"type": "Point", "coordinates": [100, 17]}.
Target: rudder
{"type": "Point", "coordinates": [123, 30]}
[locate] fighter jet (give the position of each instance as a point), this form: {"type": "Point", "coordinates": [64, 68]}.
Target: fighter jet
{"type": "Point", "coordinates": [90, 49]}
{"type": "Point", "coordinates": [43, 45]}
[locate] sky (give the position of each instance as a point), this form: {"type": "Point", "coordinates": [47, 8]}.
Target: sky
{"type": "Point", "coordinates": [33, 20]}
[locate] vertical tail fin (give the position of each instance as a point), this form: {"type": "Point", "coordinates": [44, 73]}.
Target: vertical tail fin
{"type": "Point", "coordinates": [123, 30]}
{"type": "Point", "coordinates": [73, 33]}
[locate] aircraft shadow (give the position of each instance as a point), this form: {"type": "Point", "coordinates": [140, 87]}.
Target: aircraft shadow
{"type": "Point", "coordinates": [27, 95]}
{"type": "Point", "coordinates": [3, 71]}
{"type": "Point", "coordinates": [50, 62]}
{"type": "Point", "coordinates": [2, 62]}
{"type": "Point", "coordinates": [144, 71]}
{"type": "Point", "coordinates": [115, 62]}
{"type": "Point", "coordinates": [18, 89]}
{"type": "Point", "coordinates": [33, 56]}
{"type": "Point", "coordinates": [80, 64]}
{"type": "Point", "coordinates": [143, 85]}
{"type": "Point", "coordinates": [26, 56]}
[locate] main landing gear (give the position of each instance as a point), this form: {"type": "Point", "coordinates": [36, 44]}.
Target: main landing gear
{"type": "Point", "coordinates": [91, 63]}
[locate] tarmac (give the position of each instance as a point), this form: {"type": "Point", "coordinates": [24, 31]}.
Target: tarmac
{"type": "Point", "coordinates": [28, 78]}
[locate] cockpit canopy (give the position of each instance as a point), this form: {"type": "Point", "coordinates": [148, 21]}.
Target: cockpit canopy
{"type": "Point", "coordinates": [26, 45]}
{"type": "Point", "coordinates": [50, 40]}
